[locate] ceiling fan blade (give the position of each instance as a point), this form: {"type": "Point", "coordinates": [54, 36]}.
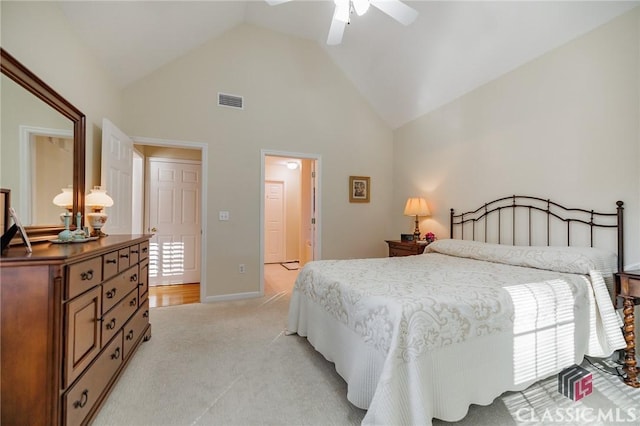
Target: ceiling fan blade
{"type": "Point", "coordinates": [335, 32]}
{"type": "Point", "coordinates": [397, 10]}
{"type": "Point", "coordinates": [276, 2]}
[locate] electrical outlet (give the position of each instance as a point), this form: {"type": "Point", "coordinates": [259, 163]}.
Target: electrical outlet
{"type": "Point", "coordinates": [223, 215]}
{"type": "Point", "coordinates": [241, 268]}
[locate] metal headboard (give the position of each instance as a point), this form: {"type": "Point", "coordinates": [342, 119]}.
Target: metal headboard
{"type": "Point", "coordinates": [505, 209]}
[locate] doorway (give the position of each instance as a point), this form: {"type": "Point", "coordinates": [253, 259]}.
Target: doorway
{"type": "Point", "coordinates": [289, 211]}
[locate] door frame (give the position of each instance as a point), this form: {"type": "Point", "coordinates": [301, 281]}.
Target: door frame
{"type": "Point", "coordinates": [203, 147]}
{"type": "Point", "coordinates": [264, 153]}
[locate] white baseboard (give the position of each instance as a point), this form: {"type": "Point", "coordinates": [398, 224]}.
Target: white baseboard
{"type": "Point", "coordinates": [235, 296]}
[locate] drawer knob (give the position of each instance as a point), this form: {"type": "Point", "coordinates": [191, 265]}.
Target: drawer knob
{"type": "Point", "coordinates": [112, 261]}
{"type": "Point", "coordinates": [111, 325]}
{"type": "Point", "coordinates": [83, 399]}
{"type": "Point", "coordinates": [133, 278]}
{"type": "Point", "coordinates": [116, 353]}
{"type": "Point", "coordinates": [111, 293]}
{"type": "Point", "coordinates": [125, 256]}
{"type": "Point", "coordinates": [87, 276]}
{"type": "Point", "coordinates": [146, 314]}
{"type": "Point", "coordinates": [144, 250]}
{"type": "Point", "coordinates": [133, 301]}
{"type": "Point", "coordinates": [130, 335]}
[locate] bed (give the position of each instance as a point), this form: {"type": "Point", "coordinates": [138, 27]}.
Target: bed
{"type": "Point", "coordinates": [423, 337]}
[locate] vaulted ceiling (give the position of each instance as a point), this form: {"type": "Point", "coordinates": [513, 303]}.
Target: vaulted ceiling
{"type": "Point", "coordinates": [404, 72]}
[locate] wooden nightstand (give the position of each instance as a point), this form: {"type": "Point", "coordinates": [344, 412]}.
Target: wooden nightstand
{"type": "Point", "coordinates": [402, 248]}
{"type": "Point", "coordinates": [628, 288]}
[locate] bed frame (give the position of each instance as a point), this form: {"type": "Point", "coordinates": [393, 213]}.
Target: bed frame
{"type": "Point", "coordinates": [534, 215]}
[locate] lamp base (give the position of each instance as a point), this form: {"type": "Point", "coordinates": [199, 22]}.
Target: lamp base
{"type": "Point", "coordinates": [416, 232]}
{"type": "Point", "coordinates": [97, 221]}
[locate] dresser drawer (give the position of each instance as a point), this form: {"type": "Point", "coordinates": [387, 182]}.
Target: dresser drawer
{"type": "Point", "coordinates": [83, 276]}
{"type": "Point", "coordinates": [109, 265]}
{"type": "Point", "coordinates": [123, 259]}
{"type": "Point", "coordinates": [633, 288]}
{"type": "Point", "coordinates": [113, 320]}
{"type": "Point", "coordinates": [144, 250]}
{"type": "Point", "coordinates": [143, 278]}
{"type": "Point", "coordinates": [134, 254]}
{"type": "Point", "coordinates": [398, 251]}
{"type": "Point", "coordinates": [116, 288]}
{"type": "Point", "coordinates": [82, 319]}
{"type": "Point", "coordinates": [134, 329]}
{"type": "Point", "coordinates": [80, 399]}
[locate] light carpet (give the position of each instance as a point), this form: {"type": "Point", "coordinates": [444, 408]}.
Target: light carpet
{"type": "Point", "coordinates": [229, 363]}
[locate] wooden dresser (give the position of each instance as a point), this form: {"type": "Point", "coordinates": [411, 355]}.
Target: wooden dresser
{"type": "Point", "coordinates": [72, 317]}
{"type": "Point", "coordinates": [404, 248]}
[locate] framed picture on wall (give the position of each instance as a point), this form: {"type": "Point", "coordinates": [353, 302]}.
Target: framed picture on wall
{"type": "Point", "coordinates": [359, 189]}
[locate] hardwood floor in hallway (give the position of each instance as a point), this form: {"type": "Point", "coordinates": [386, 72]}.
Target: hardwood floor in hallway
{"type": "Point", "coordinates": [276, 279]}
{"type": "Point", "coordinates": [169, 295]}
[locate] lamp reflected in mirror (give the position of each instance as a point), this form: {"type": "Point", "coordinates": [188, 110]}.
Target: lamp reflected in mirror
{"type": "Point", "coordinates": [64, 200]}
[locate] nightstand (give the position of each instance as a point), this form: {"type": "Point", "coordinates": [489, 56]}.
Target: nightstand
{"type": "Point", "coordinates": [404, 248]}
{"type": "Point", "coordinates": [628, 288]}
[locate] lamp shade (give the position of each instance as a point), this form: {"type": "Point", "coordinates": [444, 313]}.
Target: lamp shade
{"type": "Point", "coordinates": [98, 198]}
{"type": "Point", "coordinates": [64, 199]}
{"type": "Point", "coordinates": [416, 207]}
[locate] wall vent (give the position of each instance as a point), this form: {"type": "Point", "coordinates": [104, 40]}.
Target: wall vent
{"type": "Point", "coordinates": [231, 101]}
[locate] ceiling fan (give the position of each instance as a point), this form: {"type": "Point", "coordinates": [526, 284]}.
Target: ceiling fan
{"type": "Point", "coordinates": [394, 8]}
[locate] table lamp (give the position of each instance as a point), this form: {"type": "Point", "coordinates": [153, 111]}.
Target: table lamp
{"type": "Point", "coordinates": [64, 199]}
{"type": "Point", "coordinates": [97, 200]}
{"type": "Point", "coordinates": [416, 207]}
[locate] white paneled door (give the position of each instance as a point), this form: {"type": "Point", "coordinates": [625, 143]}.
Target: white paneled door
{"type": "Point", "coordinates": [274, 222]}
{"type": "Point", "coordinates": [116, 177]}
{"type": "Point", "coordinates": [174, 218]}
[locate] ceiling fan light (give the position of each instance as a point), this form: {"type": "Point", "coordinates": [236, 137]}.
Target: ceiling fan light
{"type": "Point", "coordinates": [361, 6]}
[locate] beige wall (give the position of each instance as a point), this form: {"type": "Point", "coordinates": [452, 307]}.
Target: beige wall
{"type": "Point", "coordinates": [37, 34]}
{"type": "Point", "coordinates": [296, 100]}
{"type": "Point", "coordinates": [564, 126]}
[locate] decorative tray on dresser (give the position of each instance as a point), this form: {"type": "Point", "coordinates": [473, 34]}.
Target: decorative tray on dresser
{"type": "Point", "coordinates": [72, 317]}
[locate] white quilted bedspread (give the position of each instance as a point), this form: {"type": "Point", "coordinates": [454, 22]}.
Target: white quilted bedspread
{"type": "Point", "coordinates": [402, 331]}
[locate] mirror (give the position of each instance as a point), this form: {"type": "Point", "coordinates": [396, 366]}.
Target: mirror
{"type": "Point", "coordinates": [49, 133]}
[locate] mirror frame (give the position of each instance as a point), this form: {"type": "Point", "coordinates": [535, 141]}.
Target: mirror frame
{"type": "Point", "coordinates": [32, 83]}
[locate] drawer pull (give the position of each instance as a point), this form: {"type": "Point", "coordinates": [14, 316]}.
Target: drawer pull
{"type": "Point", "coordinates": [129, 335]}
{"type": "Point", "coordinates": [135, 251]}
{"type": "Point", "coordinates": [112, 261]}
{"type": "Point", "coordinates": [87, 276]}
{"type": "Point", "coordinates": [144, 250]}
{"type": "Point", "coordinates": [111, 293]}
{"type": "Point", "coordinates": [111, 325]}
{"type": "Point", "coordinates": [140, 284]}
{"type": "Point", "coordinates": [126, 256]}
{"type": "Point", "coordinates": [83, 399]}
{"type": "Point", "coordinates": [133, 278]}
{"type": "Point", "coordinates": [116, 353]}
{"type": "Point", "coordinates": [146, 314]}
{"type": "Point", "coordinates": [133, 301]}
